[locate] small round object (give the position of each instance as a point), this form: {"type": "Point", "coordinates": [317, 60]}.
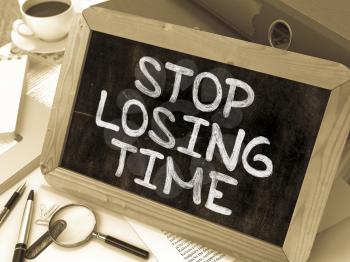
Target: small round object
{"type": "Point", "coordinates": [280, 34]}
{"type": "Point", "coordinates": [80, 221]}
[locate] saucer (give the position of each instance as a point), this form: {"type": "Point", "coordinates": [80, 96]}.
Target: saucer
{"type": "Point", "coordinates": [36, 45]}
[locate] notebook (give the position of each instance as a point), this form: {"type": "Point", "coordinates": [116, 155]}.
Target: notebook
{"type": "Point", "coordinates": [12, 74]}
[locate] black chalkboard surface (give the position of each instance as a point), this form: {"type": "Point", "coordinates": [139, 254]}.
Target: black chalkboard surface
{"type": "Point", "coordinates": [267, 143]}
{"type": "Point", "coordinates": [227, 143]}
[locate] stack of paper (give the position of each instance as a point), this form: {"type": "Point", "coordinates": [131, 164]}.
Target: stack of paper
{"type": "Point", "coordinates": [171, 248]}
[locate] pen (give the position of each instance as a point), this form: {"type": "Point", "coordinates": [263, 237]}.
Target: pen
{"type": "Point", "coordinates": [21, 246]}
{"type": "Point", "coordinates": [11, 203]}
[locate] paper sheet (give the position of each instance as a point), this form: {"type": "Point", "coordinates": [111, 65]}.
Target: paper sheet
{"type": "Point", "coordinates": [42, 81]}
{"type": "Point", "coordinates": [168, 247]}
{"type": "Point", "coordinates": [42, 75]}
{"type": "Point", "coordinates": [192, 252]}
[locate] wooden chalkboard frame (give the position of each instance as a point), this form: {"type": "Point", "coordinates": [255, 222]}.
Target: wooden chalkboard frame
{"type": "Point", "coordinates": [324, 159]}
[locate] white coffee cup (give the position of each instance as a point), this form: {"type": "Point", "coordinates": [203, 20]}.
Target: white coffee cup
{"type": "Point", "coordinates": [47, 28]}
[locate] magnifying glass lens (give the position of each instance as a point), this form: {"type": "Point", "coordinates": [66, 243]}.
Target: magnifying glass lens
{"type": "Point", "coordinates": [80, 222]}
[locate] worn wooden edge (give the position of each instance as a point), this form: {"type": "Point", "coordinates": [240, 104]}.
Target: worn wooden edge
{"type": "Point", "coordinates": [320, 175]}
{"type": "Point", "coordinates": [289, 65]}
{"type": "Point", "coordinates": [66, 92]}
{"type": "Point", "coordinates": [223, 239]}
{"type": "Point", "coordinates": [344, 167]}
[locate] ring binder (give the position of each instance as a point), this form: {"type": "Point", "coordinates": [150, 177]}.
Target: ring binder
{"type": "Point", "coordinates": [318, 26]}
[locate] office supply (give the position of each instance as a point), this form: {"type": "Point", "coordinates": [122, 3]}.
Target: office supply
{"type": "Point", "coordinates": [21, 246]}
{"type": "Point", "coordinates": [166, 246]}
{"type": "Point", "coordinates": [12, 75]}
{"type": "Point", "coordinates": [255, 212]}
{"type": "Point", "coordinates": [23, 156]}
{"type": "Point", "coordinates": [317, 27]}
{"type": "Point", "coordinates": [11, 203]}
{"type": "Point", "coordinates": [45, 214]}
{"type": "Point", "coordinates": [94, 250]}
{"type": "Point", "coordinates": [46, 239]}
{"type": "Point", "coordinates": [186, 14]}
{"type": "Point", "coordinates": [78, 233]}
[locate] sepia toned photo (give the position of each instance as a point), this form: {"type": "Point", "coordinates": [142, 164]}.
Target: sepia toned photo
{"type": "Point", "coordinates": [174, 130]}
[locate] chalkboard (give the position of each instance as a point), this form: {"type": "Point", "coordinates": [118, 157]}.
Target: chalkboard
{"type": "Point", "coordinates": [286, 113]}
{"type": "Point", "coordinates": [228, 143]}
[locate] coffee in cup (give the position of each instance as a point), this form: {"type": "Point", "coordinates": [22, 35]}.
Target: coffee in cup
{"type": "Point", "coordinates": [46, 9]}
{"type": "Point", "coordinates": [48, 20]}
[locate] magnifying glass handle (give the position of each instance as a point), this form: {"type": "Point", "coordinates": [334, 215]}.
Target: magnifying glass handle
{"type": "Point", "coordinates": [123, 245]}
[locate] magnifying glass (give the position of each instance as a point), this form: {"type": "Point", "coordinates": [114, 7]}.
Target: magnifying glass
{"type": "Point", "coordinates": [81, 227]}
